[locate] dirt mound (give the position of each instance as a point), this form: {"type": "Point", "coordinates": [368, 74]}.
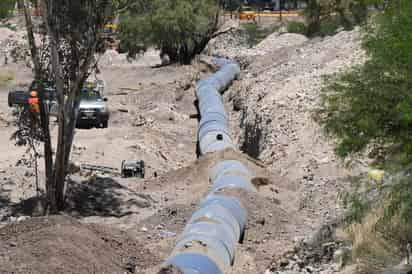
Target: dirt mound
{"type": "Point", "coordinates": [274, 104]}
{"type": "Point", "coordinates": [5, 33]}
{"type": "Point", "coordinates": [277, 41]}
{"type": "Point", "coordinates": [228, 44]}
{"type": "Point", "coordinates": [234, 45]}
{"type": "Point", "coordinates": [59, 244]}
{"type": "Point", "coordinates": [115, 59]}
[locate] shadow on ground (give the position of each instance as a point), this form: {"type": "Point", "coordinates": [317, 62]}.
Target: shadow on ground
{"type": "Point", "coordinates": [5, 204]}
{"type": "Point", "coordinates": [97, 196]}
{"type": "Point", "coordinates": [104, 197]}
{"type": "Point", "coordinates": [4, 201]}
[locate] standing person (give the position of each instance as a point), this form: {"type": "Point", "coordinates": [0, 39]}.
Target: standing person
{"type": "Point", "coordinates": [34, 102]}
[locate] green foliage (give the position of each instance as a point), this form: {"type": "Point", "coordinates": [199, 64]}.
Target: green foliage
{"type": "Point", "coordinates": [358, 11]}
{"type": "Point", "coordinates": [324, 17]}
{"type": "Point", "coordinates": [400, 201]}
{"type": "Point", "coordinates": [6, 8]}
{"type": "Point", "coordinates": [372, 104]}
{"type": "Point", "coordinates": [329, 26]}
{"type": "Point", "coordinates": [231, 5]}
{"type": "Point", "coordinates": [297, 27]}
{"type": "Point", "coordinates": [313, 16]}
{"type": "Point", "coordinates": [254, 33]}
{"type": "Point", "coordinates": [180, 29]}
{"type": "Point", "coordinates": [356, 206]}
{"type": "Point", "coordinates": [371, 107]}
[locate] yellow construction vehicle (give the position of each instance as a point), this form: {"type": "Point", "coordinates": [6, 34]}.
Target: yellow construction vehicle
{"type": "Point", "coordinates": [110, 36]}
{"type": "Point", "coordinates": [110, 29]}
{"type": "Point", "coordinates": [247, 13]}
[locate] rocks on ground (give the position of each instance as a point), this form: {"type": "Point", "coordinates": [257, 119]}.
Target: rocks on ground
{"type": "Point", "coordinates": [274, 102]}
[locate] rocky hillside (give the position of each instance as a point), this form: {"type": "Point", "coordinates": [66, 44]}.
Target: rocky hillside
{"type": "Point", "coordinates": [274, 102]}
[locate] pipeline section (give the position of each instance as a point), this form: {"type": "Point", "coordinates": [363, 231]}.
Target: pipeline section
{"type": "Point", "coordinates": [208, 242]}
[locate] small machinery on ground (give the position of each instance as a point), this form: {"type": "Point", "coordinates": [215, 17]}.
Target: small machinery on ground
{"type": "Point", "coordinates": [132, 169]}
{"type": "Point", "coordinates": [129, 169]}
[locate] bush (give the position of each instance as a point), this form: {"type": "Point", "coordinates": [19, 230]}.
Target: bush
{"type": "Point", "coordinates": [6, 8]}
{"type": "Point", "coordinates": [370, 109]}
{"type": "Point", "coordinates": [326, 17]}
{"type": "Point", "coordinates": [180, 29]}
{"type": "Point", "coordinates": [329, 26]}
{"type": "Point", "coordinates": [254, 33]}
{"type": "Point", "coordinates": [372, 104]}
{"type": "Point", "coordinates": [297, 27]}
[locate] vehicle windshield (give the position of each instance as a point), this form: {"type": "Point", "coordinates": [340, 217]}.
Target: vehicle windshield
{"type": "Point", "coordinates": [46, 84]}
{"type": "Point", "coordinates": [88, 94]}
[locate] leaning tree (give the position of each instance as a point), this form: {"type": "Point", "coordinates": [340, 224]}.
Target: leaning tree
{"type": "Point", "coordinates": [180, 29]}
{"type": "Point", "coordinates": [70, 36]}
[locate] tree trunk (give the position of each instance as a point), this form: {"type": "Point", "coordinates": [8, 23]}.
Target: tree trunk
{"type": "Point", "coordinates": [280, 10]}
{"type": "Point", "coordinates": [59, 174]}
{"type": "Point", "coordinates": [340, 10]}
{"type": "Point", "coordinates": [69, 78]}
{"type": "Point", "coordinates": [44, 120]}
{"type": "Point", "coordinates": [55, 194]}
{"type": "Point", "coordinates": [313, 10]}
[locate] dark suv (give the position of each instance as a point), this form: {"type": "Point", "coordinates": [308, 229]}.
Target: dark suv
{"type": "Point", "coordinates": [21, 97]}
{"type": "Point", "coordinates": [93, 110]}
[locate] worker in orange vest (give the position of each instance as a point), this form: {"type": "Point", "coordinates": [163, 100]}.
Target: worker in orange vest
{"type": "Point", "coordinates": [34, 102]}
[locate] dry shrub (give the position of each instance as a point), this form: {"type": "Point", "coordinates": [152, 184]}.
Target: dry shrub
{"type": "Point", "coordinates": [373, 249]}
{"type": "Point", "coordinates": [5, 78]}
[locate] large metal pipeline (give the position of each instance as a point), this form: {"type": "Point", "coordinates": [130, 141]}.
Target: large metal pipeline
{"type": "Point", "coordinates": [208, 242]}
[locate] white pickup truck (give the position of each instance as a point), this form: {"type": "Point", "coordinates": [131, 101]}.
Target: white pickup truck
{"type": "Point", "coordinates": [93, 110]}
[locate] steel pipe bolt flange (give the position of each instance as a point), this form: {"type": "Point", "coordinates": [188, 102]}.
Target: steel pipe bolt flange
{"type": "Point", "coordinates": [232, 204]}
{"type": "Point", "coordinates": [229, 167]}
{"type": "Point", "coordinates": [214, 141]}
{"type": "Point", "coordinates": [220, 62]}
{"type": "Point", "coordinates": [218, 214]}
{"type": "Point", "coordinates": [212, 126]}
{"type": "Point", "coordinates": [233, 181]}
{"type": "Point", "coordinates": [213, 106]}
{"type": "Point", "coordinates": [207, 245]}
{"type": "Point", "coordinates": [218, 231]}
{"type": "Point", "coordinates": [194, 263]}
{"type": "Point", "coordinates": [218, 146]}
{"type": "Point", "coordinates": [214, 116]}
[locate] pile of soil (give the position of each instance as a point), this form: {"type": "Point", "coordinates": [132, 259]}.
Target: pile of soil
{"type": "Point", "coordinates": [61, 244]}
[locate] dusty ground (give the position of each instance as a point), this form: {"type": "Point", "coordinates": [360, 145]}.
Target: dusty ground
{"type": "Point", "coordinates": [117, 225]}
{"type": "Point", "coordinates": [150, 121]}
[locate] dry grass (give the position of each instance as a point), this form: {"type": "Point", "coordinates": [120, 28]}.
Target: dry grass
{"type": "Point", "coordinates": [6, 78]}
{"type": "Point", "coordinates": [372, 250]}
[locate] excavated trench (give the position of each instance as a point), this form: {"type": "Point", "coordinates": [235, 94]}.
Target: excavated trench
{"type": "Point", "coordinates": [208, 242]}
{"type": "Point", "coordinates": [252, 137]}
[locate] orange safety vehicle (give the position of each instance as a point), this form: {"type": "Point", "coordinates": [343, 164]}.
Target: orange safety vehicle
{"type": "Point", "coordinates": [247, 13]}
